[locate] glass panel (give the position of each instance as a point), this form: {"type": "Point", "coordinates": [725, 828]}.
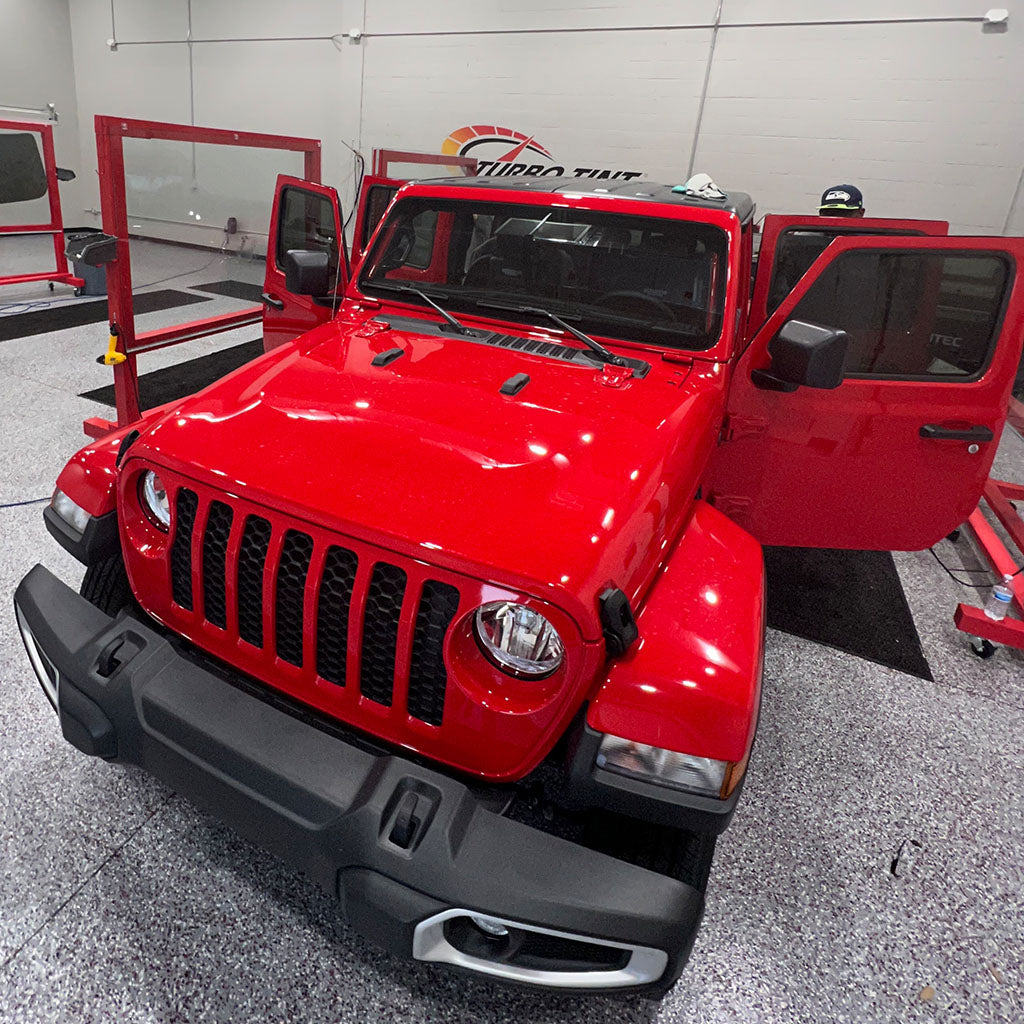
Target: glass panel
{"type": "Point", "coordinates": [22, 179]}
{"type": "Point", "coordinates": [377, 202]}
{"type": "Point", "coordinates": [795, 251]}
{"type": "Point", "coordinates": [184, 191]}
{"type": "Point", "coordinates": [911, 314]}
{"type": "Point", "coordinates": [635, 277]}
{"type": "Point", "coordinates": [307, 221]}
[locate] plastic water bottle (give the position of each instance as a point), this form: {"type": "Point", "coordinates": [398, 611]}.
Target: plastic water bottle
{"type": "Point", "coordinates": [998, 603]}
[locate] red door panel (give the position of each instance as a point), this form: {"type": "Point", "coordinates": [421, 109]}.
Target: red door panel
{"type": "Point", "coordinates": [935, 327]}
{"type": "Point", "coordinates": [305, 216]}
{"type": "Point", "coordinates": [375, 195]}
{"type": "Point", "coordinates": [791, 242]}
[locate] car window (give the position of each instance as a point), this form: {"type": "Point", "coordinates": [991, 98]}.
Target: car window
{"type": "Point", "coordinates": [22, 175]}
{"type": "Point", "coordinates": [911, 314]}
{"type": "Point", "coordinates": [306, 221]}
{"type": "Point", "coordinates": [797, 248]}
{"type": "Point", "coordinates": [377, 201]}
{"type": "Point", "coordinates": [641, 278]}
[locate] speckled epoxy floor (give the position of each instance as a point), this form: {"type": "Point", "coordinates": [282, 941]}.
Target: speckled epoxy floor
{"type": "Point", "coordinates": [119, 901]}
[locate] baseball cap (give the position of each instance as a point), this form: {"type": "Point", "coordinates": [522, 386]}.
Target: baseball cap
{"type": "Point", "coordinates": [842, 197]}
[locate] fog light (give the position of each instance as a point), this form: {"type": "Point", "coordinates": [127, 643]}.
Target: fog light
{"type": "Point", "coordinates": [702, 775]}
{"type": "Point", "coordinates": [70, 511]}
{"type": "Point", "coordinates": [490, 928]}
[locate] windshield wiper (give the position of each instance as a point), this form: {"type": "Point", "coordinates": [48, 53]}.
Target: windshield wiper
{"type": "Point", "coordinates": [408, 289]}
{"type": "Point", "coordinates": [595, 347]}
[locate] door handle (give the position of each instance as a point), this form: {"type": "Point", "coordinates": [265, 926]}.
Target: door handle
{"type": "Point", "coordinates": [933, 430]}
{"type": "Point", "coordinates": [271, 300]}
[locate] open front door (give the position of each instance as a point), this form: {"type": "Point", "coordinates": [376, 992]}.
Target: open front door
{"type": "Point", "coordinates": [896, 456]}
{"type": "Point", "coordinates": [790, 243]}
{"type": "Point", "coordinates": [306, 217]}
{"type": "Point", "coordinates": [375, 197]}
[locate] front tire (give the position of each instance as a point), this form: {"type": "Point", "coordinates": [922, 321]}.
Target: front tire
{"type": "Point", "coordinates": [106, 585]}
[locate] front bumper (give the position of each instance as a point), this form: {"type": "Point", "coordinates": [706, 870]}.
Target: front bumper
{"type": "Point", "coordinates": [410, 852]}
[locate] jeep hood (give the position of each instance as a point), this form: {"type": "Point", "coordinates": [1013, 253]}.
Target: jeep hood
{"type": "Point", "coordinates": [569, 485]}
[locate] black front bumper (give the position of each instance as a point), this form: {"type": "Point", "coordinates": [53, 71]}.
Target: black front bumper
{"type": "Point", "coordinates": [400, 845]}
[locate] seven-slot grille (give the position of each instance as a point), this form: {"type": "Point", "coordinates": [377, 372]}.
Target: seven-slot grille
{"type": "Point", "coordinates": [248, 567]}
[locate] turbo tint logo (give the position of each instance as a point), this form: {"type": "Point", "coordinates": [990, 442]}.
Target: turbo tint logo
{"type": "Point", "coordinates": [502, 152]}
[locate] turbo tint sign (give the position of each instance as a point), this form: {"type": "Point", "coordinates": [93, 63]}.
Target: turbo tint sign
{"type": "Point", "coordinates": [503, 152]}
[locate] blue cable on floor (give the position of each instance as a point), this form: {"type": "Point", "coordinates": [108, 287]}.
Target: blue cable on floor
{"type": "Point", "coordinates": [31, 501]}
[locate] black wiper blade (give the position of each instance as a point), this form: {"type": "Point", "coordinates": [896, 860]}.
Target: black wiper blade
{"type": "Point", "coordinates": [595, 347]}
{"type": "Point", "coordinates": [408, 289]}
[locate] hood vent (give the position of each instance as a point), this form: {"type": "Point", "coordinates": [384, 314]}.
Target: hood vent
{"type": "Point", "coordinates": [533, 346]}
{"type": "Point", "coordinates": [567, 353]}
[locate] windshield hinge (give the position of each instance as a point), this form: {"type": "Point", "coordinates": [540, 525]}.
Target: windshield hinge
{"type": "Point", "coordinates": [735, 427]}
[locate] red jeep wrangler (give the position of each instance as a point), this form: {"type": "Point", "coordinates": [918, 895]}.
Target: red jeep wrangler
{"type": "Point", "coordinates": [455, 597]}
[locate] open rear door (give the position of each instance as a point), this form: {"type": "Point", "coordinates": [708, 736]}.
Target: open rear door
{"type": "Point", "coordinates": [375, 197]}
{"type": "Point", "coordinates": [790, 243]}
{"type": "Point", "coordinates": [306, 216]}
{"type": "Point", "coordinates": [897, 455]}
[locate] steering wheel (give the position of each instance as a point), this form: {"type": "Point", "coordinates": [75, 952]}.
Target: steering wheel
{"type": "Point", "coordinates": [636, 304]}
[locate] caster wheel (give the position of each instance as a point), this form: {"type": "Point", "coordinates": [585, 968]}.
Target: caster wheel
{"type": "Point", "coordinates": [51, 286]}
{"type": "Point", "coordinates": [78, 291]}
{"type": "Point", "coordinates": [984, 649]}
{"type": "Point", "coordinates": [954, 536]}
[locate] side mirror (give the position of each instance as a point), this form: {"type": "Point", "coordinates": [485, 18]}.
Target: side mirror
{"type": "Point", "coordinates": [804, 354]}
{"type": "Point", "coordinates": [307, 272]}
{"type": "Point", "coordinates": [64, 174]}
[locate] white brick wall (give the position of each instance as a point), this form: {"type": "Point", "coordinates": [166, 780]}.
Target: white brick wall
{"type": "Point", "coordinates": [925, 117]}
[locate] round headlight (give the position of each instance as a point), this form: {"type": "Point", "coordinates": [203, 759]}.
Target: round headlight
{"type": "Point", "coordinates": [154, 499]}
{"type": "Point", "coordinates": [519, 640]}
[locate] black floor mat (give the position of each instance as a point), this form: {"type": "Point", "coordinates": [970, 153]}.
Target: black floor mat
{"type": "Point", "coordinates": [236, 289]}
{"type": "Point", "coordinates": [851, 600]}
{"type": "Point", "coordinates": [76, 314]}
{"type": "Point", "coordinates": [174, 382]}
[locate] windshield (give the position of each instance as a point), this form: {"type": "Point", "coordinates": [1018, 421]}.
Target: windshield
{"type": "Point", "coordinates": [645, 279]}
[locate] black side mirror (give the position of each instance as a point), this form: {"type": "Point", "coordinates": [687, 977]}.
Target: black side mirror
{"type": "Point", "coordinates": [307, 272]}
{"type": "Point", "coordinates": [65, 174]}
{"type": "Point", "coordinates": [806, 354]}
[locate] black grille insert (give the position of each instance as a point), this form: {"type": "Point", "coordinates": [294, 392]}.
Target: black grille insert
{"type": "Point", "coordinates": [292, 570]}
{"type": "Point", "coordinates": [380, 632]}
{"type": "Point", "coordinates": [252, 557]}
{"type": "Point", "coordinates": [186, 505]}
{"type": "Point", "coordinates": [215, 553]}
{"type": "Point", "coordinates": [550, 349]}
{"type": "Point", "coordinates": [428, 679]}
{"type": "Point", "coordinates": [332, 614]}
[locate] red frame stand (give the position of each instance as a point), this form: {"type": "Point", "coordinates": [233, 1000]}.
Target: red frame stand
{"type": "Point", "coordinates": [110, 135]}
{"type": "Point", "coordinates": [1008, 632]}
{"type": "Point", "coordinates": [60, 275]}
{"type": "Point", "coordinates": [384, 158]}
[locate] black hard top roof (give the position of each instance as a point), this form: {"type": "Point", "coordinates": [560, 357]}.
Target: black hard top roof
{"type": "Point", "coordinates": [738, 203]}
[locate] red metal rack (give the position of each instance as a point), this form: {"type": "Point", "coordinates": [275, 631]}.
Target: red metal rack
{"type": "Point", "coordinates": [60, 274]}
{"type": "Point", "coordinates": [999, 495]}
{"type": "Point", "coordinates": [110, 135]}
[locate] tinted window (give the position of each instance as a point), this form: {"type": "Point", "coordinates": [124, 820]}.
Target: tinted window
{"type": "Point", "coordinates": [911, 314]}
{"type": "Point", "coordinates": [795, 251]}
{"type": "Point", "coordinates": [635, 277]}
{"type": "Point", "coordinates": [377, 201]}
{"type": "Point", "coordinates": [306, 221]}
{"type": "Point", "coordinates": [22, 175]}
